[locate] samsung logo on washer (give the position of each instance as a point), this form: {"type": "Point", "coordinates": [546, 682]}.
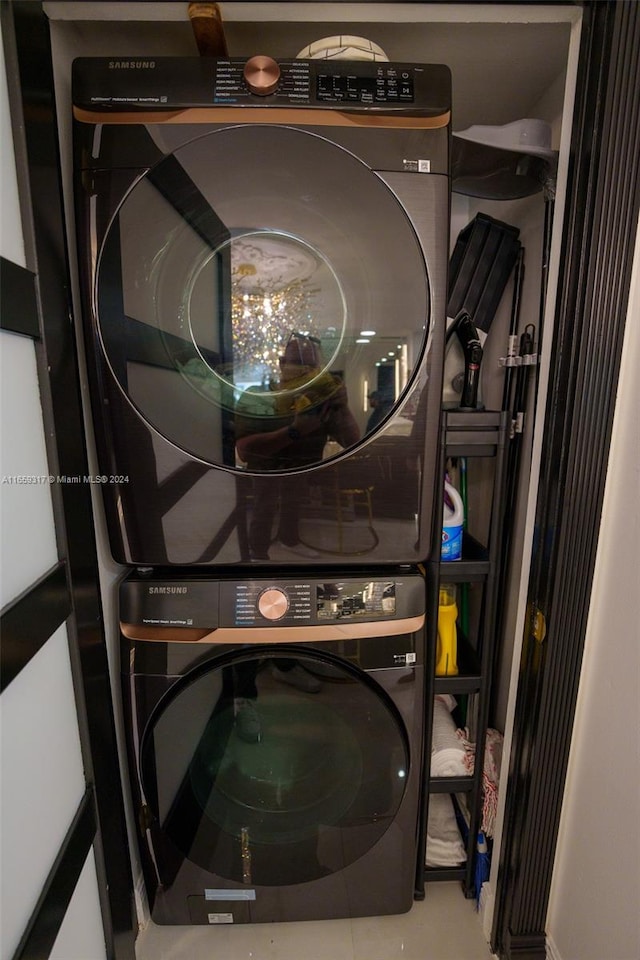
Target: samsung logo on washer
{"type": "Point", "coordinates": [132, 64]}
{"type": "Point", "coordinates": [168, 589]}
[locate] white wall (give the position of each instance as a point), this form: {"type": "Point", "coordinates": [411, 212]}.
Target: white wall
{"type": "Point", "coordinates": [41, 773]}
{"type": "Point", "coordinates": [593, 908]}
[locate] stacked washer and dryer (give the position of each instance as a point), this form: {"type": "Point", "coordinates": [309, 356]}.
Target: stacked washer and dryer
{"type": "Point", "coordinates": [263, 251]}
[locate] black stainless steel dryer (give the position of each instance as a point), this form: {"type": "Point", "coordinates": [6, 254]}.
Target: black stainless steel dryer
{"type": "Point", "coordinates": [275, 741]}
{"type": "Point", "coordinates": [264, 280]}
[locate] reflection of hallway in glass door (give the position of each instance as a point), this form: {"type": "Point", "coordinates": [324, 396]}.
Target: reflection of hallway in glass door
{"type": "Point", "coordinates": [392, 369]}
{"type": "Point", "coordinates": [386, 380]}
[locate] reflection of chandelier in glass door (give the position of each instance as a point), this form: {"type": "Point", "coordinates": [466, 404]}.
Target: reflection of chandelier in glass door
{"type": "Point", "coordinates": [263, 318]}
{"type": "Point", "coordinates": [278, 285]}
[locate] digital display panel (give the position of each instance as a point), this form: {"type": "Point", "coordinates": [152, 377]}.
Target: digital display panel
{"type": "Point", "coordinates": [348, 601]}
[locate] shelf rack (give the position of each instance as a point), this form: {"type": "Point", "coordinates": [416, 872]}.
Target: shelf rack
{"type": "Point", "coordinates": [471, 434]}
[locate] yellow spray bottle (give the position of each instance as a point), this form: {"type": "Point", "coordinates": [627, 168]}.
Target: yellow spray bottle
{"type": "Point", "coordinates": [447, 646]}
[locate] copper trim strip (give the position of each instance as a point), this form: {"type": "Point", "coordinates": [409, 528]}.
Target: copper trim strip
{"type": "Point", "coordinates": [275, 634]}
{"type": "Point", "coordinates": [277, 115]}
{"type": "Point", "coordinates": [134, 631]}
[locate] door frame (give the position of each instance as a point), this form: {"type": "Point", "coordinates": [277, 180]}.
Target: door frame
{"type": "Point", "coordinates": [598, 243]}
{"type": "Point", "coordinates": [100, 820]}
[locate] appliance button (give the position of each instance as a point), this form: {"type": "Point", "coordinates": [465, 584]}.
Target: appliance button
{"type": "Point", "coordinates": [262, 75]}
{"type": "Point", "coordinates": [273, 603]}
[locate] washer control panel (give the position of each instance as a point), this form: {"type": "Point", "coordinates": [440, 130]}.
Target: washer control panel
{"type": "Point", "coordinates": [262, 602]}
{"type": "Point", "coordinates": [297, 603]}
{"type": "Point", "coordinates": [258, 603]}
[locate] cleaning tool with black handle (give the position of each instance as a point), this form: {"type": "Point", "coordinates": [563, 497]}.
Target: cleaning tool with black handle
{"type": "Point", "coordinates": [467, 334]}
{"type": "Point", "coordinates": [510, 361]}
{"type": "Point", "coordinates": [483, 257]}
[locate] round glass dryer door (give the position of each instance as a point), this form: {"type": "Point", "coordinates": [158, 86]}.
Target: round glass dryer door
{"type": "Point", "coordinates": [261, 284]}
{"type": "Point", "coordinates": [275, 769]}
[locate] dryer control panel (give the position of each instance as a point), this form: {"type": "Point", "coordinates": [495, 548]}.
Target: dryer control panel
{"type": "Point", "coordinates": [301, 82]}
{"type": "Point", "coordinates": [169, 83]}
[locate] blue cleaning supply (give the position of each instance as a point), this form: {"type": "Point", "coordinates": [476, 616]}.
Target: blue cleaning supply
{"type": "Point", "coordinates": [483, 865]}
{"type": "Point", "coordinates": [452, 523]}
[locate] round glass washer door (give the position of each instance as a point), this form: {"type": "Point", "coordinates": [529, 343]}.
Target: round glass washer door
{"type": "Point", "coordinates": [255, 275]}
{"type": "Point", "coordinates": [260, 782]}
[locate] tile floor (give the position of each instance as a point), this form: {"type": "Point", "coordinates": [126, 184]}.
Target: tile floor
{"type": "Point", "coordinates": [444, 926]}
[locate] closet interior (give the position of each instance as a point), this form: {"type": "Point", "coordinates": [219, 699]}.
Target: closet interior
{"type": "Point", "coordinates": [509, 63]}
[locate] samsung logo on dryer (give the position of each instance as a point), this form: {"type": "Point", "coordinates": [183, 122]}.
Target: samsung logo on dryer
{"type": "Point", "coordinates": [132, 64]}
{"type": "Point", "coordinates": [169, 590]}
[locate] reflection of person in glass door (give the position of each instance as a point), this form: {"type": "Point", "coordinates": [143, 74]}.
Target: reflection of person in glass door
{"type": "Point", "coordinates": [309, 407]}
{"type": "Point", "coordinates": [240, 687]}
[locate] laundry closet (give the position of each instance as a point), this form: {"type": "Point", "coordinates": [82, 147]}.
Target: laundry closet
{"type": "Point", "coordinates": [508, 63]}
{"type": "Point", "coordinates": [477, 46]}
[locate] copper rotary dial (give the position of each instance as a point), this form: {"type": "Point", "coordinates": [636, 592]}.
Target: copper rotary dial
{"type": "Point", "coordinates": [262, 75]}
{"type": "Point", "coordinates": [273, 603]}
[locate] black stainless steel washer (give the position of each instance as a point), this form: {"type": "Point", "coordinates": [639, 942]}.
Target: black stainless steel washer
{"type": "Point", "coordinates": [275, 740]}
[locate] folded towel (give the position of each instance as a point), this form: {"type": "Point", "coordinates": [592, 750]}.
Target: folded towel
{"type": "Point", "coordinates": [448, 763]}
{"type": "Point", "coordinates": [444, 843]}
{"type": "Point", "coordinates": [449, 701]}
{"type": "Point", "coordinates": [492, 760]}
{"type": "Point", "coordinates": [447, 751]}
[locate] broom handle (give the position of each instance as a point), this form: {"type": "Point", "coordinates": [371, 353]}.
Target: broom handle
{"type": "Point", "coordinates": [208, 29]}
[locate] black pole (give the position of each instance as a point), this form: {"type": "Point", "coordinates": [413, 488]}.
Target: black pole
{"type": "Point", "coordinates": [510, 359]}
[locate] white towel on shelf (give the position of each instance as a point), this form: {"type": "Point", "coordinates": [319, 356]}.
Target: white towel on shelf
{"type": "Point", "coordinates": [447, 752]}
{"type": "Point", "coordinates": [444, 843]}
